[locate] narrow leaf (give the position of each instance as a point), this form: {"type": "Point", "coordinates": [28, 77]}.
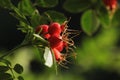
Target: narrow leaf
{"type": "Point", "coordinates": [5, 76]}
{"type": "Point", "coordinates": [41, 40]}
{"type": "Point", "coordinates": [5, 61]}
{"type": "Point", "coordinates": [19, 15]}
{"type": "Point", "coordinates": [4, 68]}
{"type": "Point", "coordinates": [26, 7]}
{"type": "Point", "coordinates": [6, 4]}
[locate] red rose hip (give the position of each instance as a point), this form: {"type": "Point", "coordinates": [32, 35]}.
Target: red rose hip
{"type": "Point", "coordinates": [54, 41]}
{"type": "Point", "coordinates": [44, 30]}
{"type": "Point", "coordinates": [54, 29]}
{"type": "Point", "coordinates": [57, 54]}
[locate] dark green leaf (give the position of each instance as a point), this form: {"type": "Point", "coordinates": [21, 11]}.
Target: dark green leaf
{"type": "Point", "coordinates": [18, 68]}
{"type": "Point", "coordinates": [6, 4]}
{"type": "Point", "coordinates": [35, 19]}
{"type": "Point", "coordinates": [116, 18]}
{"type": "Point", "coordinates": [26, 7]}
{"type": "Point", "coordinates": [104, 17]}
{"type": "Point", "coordinates": [76, 6]}
{"type": "Point", "coordinates": [90, 22]}
{"type": "Point", "coordinates": [5, 76]}
{"type": "Point", "coordinates": [5, 61]}
{"type": "Point", "coordinates": [44, 19]}
{"type": "Point", "coordinates": [56, 16]}
{"type": "Point", "coordinates": [47, 3]}
{"type": "Point", "coordinates": [4, 68]}
{"type": "Point", "coordinates": [20, 78]}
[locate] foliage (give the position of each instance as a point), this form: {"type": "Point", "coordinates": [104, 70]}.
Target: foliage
{"type": "Point", "coordinates": [99, 24]}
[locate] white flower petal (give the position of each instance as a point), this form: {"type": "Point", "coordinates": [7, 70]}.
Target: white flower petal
{"type": "Point", "coordinates": [48, 57]}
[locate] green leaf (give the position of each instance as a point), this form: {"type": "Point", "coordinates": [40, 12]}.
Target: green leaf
{"type": "Point", "coordinates": [24, 27]}
{"type": "Point", "coordinates": [26, 7]}
{"type": "Point", "coordinates": [19, 15]}
{"type": "Point", "coordinates": [5, 76]}
{"type": "Point", "coordinates": [20, 78]}
{"type": "Point", "coordinates": [104, 17]}
{"type": "Point", "coordinates": [56, 16]}
{"type": "Point", "coordinates": [35, 19]}
{"type": "Point", "coordinates": [76, 6]}
{"type": "Point", "coordinates": [116, 18]}
{"type": "Point", "coordinates": [90, 22]}
{"type": "Point", "coordinates": [41, 40]}
{"type": "Point", "coordinates": [18, 68]}
{"type": "Point", "coordinates": [6, 4]}
{"type": "Point", "coordinates": [47, 3]}
{"type": "Point", "coordinates": [5, 61]}
{"type": "Point", "coordinates": [4, 68]}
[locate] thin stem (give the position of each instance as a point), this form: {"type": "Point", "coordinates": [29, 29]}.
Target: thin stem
{"type": "Point", "coordinates": [12, 73]}
{"type": "Point", "coordinates": [54, 60]}
{"type": "Point", "coordinates": [11, 51]}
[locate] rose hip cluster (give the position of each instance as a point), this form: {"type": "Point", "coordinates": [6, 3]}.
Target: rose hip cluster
{"type": "Point", "coordinates": [53, 33]}
{"type": "Point", "coordinates": [110, 4]}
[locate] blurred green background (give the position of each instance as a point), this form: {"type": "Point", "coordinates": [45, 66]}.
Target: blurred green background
{"type": "Point", "coordinates": [98, 56]}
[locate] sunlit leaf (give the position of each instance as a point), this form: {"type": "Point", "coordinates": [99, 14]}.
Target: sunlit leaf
{"type": "Point", "coordinates": [76, 6]}
{"type": "Point", "coordinates": [48, 57]}
{"type": "Point", "coordinates": [26, 7]}
{"type": "Point", "coordinates": [5, 76]}
{"type": "Point", "coordinates": [56, 16]}
{"type": "Point", "coordinates": [18, 68]}
{"type": "Point", "coordinates": [47, 3]}
{"type": "Point", "coordinates": [90, 22]}
{"type": "Point", "coordinates": [4, 68]}
{"type": "Point", "coordinates": [6, 4]}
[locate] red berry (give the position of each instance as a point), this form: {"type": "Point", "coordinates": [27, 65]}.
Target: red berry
{"type": "Point", "coordinates": [54, 29]}
{"type": "Point", "coordinates": [54, 41]}
{"type": "Point", "coordinates": [57, 54]}
{"type": "Point", "coordinates": [60, 46]}
{"type": "Point", "coordinates": [44, 30]}
{"type": "Point", "coordinates": [43, 27]}
{"type": "Point", "coordinates": [47, 36]}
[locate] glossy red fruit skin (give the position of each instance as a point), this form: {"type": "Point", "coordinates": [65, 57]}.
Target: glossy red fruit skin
{"type": "Point", "coordinates": [44, 30]}
{"type": "Point", "coordinates": [57, 54]}
{"type": "Point", "coordinates": [61, 46]}
{"type": "Point", "coordinates": [43, 27]}
{"type": "Point", "coordinates": [54, 41]}
{"type": "Point", "coordinates": [47, 36]}
{"type": "Point", "coordinates": [54, 29]}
